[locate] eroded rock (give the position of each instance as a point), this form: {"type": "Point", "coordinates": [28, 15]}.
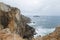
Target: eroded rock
{"type": "Point", "coordinates": [11, 18]}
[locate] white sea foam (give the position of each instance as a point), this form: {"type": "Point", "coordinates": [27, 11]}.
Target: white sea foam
{"type": "Point", "coordinates": [31, 24]}
{"type": "Point", "coordinates": [42, 32]}
{"type": "Point", "coordinates": [44, 24]}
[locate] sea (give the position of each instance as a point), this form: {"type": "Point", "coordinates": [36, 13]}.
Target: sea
{"type": "Point", "coordinates": [44, 24]}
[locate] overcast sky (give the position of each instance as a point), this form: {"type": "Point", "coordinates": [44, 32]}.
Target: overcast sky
{"type": "Point", "coordinates": [36, 7]}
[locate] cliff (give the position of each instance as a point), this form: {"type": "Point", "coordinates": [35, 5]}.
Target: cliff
{"type": "Point", "coordinates": [11, 18]}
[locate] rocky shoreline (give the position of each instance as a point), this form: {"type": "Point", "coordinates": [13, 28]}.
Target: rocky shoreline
{"type": "Point", "coordinates": [13, 26]}
{"type": "Point", "coordinates": [51, 36]}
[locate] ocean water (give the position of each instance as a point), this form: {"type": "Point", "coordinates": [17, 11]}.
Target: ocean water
{"type": "Point", "coordinates": [44, 24]}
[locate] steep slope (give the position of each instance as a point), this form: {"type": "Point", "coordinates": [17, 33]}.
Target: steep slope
{"type": "Point", "coordinates": [11, 18]}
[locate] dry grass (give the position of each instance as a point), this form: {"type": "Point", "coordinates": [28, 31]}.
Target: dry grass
{"type": "Point", "coordinates": [5, 34]}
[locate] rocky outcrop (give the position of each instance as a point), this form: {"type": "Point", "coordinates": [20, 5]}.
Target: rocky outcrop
{"type": "Point", "coordinates": [52, 36]}
{"type": "Point", "coordinates": [26, 19]}
{"type": "Point", "coordinates": [11, 18]}
{"type": "Point", "coordinates": [5, 34]}
{"type": "Point", "coordinates": [4, 7]}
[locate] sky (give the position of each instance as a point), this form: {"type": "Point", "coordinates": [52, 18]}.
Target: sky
{"type": "Point", "coordinates": [36, 7]}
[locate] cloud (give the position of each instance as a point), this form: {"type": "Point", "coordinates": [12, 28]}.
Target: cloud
{"type": "Point", "coordinates": [38, 7]}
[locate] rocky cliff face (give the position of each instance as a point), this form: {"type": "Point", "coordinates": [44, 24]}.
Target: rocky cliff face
{"type": "Point", "coordinates": [52, 36]}
{"type": "Point", "coordinates": [11, 18]}
{"type": "Point", "coordinates": [4, 7]}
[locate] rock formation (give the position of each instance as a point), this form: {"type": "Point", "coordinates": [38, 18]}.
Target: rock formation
{"type": "Point", "coordinates": [11, 18]}
{"type": "Point", "coordinates": [5, 34]}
